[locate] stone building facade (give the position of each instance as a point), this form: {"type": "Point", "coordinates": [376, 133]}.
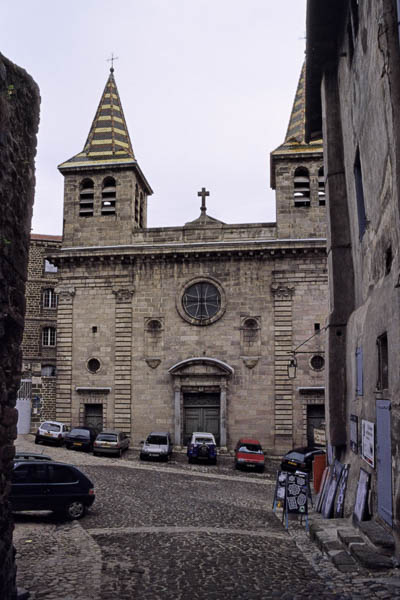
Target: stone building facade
{"type": "Point", "coordinates": [19, 119]}
{"type": "Point", "coordinates": [353, 92]}
{"type": "Point", "coordinates": [190, 327]}
{"type": "Point", "coordinates": [40, 332]}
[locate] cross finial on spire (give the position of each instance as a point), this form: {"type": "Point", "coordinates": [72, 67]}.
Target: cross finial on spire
{"type": "Point", "coordinates": [112, 61]}
{"type": "Point", "coordinates": [203, 193]}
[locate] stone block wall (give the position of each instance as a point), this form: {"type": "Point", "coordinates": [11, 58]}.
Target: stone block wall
{"type": "Point", "coordinates": [19, 118]}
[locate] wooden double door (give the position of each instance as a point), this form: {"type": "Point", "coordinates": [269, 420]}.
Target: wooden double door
{"type": "Point", "coordinates": [201, 413]}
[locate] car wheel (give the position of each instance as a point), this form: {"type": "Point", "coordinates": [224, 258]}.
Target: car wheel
{"type": "Point", "coordinates": [120, 453]}
{"type": "Point", "coordinates": [190, 460]}
{"type": "Point", "coordinates": [95, 453]}
{"type": "Point", "coordinates": [213, 461]}
{"type": "Point", "coordinates": [36, 440]}
{"type": "Point", "coordinates": [142, 457]}
{"type": "Point", "coordinates": [260, 469]}
{"type": "Point", "coordinates": [68, 446]}
{"type": "Point", "coordinates": [75, 510]}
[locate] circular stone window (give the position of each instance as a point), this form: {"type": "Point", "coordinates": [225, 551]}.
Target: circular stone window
{"type": "Point", "coordinates": [201, 301]}
{"type": "Point", "coordinates": [93, 365]}
{"type": "Point", "coordinates": [317, 362]}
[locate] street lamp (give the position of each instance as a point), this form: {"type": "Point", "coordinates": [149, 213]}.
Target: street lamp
{"type": "Point", "coordinates": [292, 368]}
{"type": "Point", "coordinates": [292, 364]}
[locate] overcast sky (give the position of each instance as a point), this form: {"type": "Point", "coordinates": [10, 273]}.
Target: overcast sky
{"type": "Point", "coordinates": [207, 88]}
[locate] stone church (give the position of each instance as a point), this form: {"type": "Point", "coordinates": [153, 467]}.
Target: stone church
{"type": "Point", "coordinates": [190, 327]}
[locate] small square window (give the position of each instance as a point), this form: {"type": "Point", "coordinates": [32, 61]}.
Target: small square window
{"type": "Point", "coordinates": [49, 267]}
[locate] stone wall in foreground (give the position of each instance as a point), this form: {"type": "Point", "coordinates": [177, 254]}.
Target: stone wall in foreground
{"type": "Point", "coordinates": [19, 119]}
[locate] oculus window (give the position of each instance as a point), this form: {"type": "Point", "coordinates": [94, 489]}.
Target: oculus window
{"type": "Point", "coordinates": [201, 302]}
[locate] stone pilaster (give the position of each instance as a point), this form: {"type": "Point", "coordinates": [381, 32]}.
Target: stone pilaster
{"type": "Point", "coordinates": [283, 412]}
{"type": "Point", "coordinates": [177, 416]}
{"type": "Point", "coordinates": [123, 358]}
{"type": "Point", "coordinates": [222, 437]}
{"type": "Point", "coordinates": [64, 353]}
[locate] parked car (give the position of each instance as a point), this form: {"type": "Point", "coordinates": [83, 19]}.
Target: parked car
{"type": "Point", "coordinates": [50, 485]}
{"type": "Point", "coordinates": [249, 454]}
{"type": "Point", "coordinates": [202, 447]}
{"type": "Point", "coordinates": [300, 459]}
{"type": "Point", "coordinates": [158, 444]}
{"type": "Point", "coordinates": [30, 456]}
{"type": "Point", "coordinates": [53, 432]}
{"type": "Point", "coordinates": [81, 438]}
{"type": "Point", "coordinates": [110, 442]}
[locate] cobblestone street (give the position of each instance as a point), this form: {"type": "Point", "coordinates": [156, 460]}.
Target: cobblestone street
{"type": "Point", "coordinates": [177, 531]}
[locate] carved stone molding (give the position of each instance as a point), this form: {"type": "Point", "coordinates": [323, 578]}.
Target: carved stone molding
{"type": "Point", "coordinates": [65, 292]}
{"type": "Point", "coordinates": [153, 362]}
{"type": "Point", "coordinates": [282, 291]}
{"type": "Point", "coordinates": [123, 294]}
{"type": "Point", "coordinates": [250, 362]}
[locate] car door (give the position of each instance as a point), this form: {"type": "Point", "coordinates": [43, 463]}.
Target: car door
{"type": "Point", "coordinates": [64, 486]}
{"type": "Point", "coordinates": [29, 486]}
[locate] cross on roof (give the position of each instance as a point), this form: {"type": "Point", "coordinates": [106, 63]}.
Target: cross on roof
{"type": "Point", "coordinates": [112, 61]}
{"type": "Point", "coordinates": [203, 193]}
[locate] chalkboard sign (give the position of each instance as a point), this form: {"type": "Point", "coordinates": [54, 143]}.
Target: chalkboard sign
{"type": "Point", "coordinates": [297, 491]}
{"type": "Point", "coordinates": [280, 490]}
{"type": "Point", "coordinates": [361, 508]}
{"type": "Point", "coordinates": [341, 492]}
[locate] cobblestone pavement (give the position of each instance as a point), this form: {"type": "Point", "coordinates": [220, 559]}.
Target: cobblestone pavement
{"type": "Point", "coordinates": [178, 531]}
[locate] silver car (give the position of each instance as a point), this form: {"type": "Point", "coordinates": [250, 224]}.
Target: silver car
{"type": "Point", "coordinates": [110, 442]}
{"type": "Point", "coordinates": [157, 445]}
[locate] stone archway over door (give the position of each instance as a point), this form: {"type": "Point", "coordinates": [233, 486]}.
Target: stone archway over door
{"type": "Point", "coordinates": [205, 379]}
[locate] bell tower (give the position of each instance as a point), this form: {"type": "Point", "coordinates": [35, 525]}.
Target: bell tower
{"type": "Point", "coordinates": [105, 191]}
{"type": "Point", "coordinates": [297, 176]}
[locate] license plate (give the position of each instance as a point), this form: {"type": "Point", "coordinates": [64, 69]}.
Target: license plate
{"type": "Point", "coordinates": [290, 462]}
{"type": "Point", "coordinates": [154, 455]}
{"type": "Point", "coordinates": [106, 444]}
{"type": "Point", "coordinates": [250, 465]}
{"type": "Point", "coordinates": [48, 434]}
{"type": "Point", "coordinates": [77, 443]}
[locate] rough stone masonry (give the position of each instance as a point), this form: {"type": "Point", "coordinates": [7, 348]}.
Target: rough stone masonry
{"type": "Point", "coordinates": [19, 120]}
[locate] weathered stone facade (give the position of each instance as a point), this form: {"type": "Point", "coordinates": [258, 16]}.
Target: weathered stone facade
{"type": "Point", "coordinates": [132, 354]}
{"type": "Point", "coordinates": [39, 344]}
{"type": "Point", "coordinates": [353, 93]}
{"type": "Point", "coordinates": [19, 118]}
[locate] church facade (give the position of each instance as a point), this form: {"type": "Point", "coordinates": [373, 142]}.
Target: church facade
{"type": "Point", "coordinates": [191, 327]}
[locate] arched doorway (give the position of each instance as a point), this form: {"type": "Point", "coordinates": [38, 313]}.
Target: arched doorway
{"type": "Point", "coordinates": [200, 388]}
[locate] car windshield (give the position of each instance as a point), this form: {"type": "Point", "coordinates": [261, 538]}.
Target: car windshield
{"type": "Point", "coordinates": [50, 427]}
{"type": "Point", "coordinates": [295, 456]}
{"type": "Point", "coordinates": [157, 440]}
{"type": "Point", "coordinates": [81, 432]}
{"type": "Point", "coordinates": [107, 437]}
{"type": "Point", "coordinates": [253, 448]}
{"type": "Point", "coordinates": [203, 440]}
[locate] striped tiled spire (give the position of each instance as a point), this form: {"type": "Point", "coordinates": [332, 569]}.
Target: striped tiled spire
{"type": "Point", "coordinates": [295, 135]}
{"type": "Point", "coordinates": [108, 142]}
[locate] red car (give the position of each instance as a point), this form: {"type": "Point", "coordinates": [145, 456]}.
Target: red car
{"type": "Point", "coordinates": [249, 454]}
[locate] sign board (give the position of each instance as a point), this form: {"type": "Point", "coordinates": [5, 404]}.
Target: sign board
{"type": "Point", "coordinates": [297, 492]}
{"type": "Point", "coordinates": [319, 437]}
{"type": "Point", "coordinates": [322, 489]}
{"type": "Point", "coordinates": [354, 433]}
{"type": "Point", "coordinates": [368, 442]}
{"type": "Point", "coordinates": [280, 490]}
{"type": "Point", "coordinates": [327, 507]}
{"type": "Point", "coordinates": [341, 493]}
{"type": "Point", "coordinates": [361, 506]}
